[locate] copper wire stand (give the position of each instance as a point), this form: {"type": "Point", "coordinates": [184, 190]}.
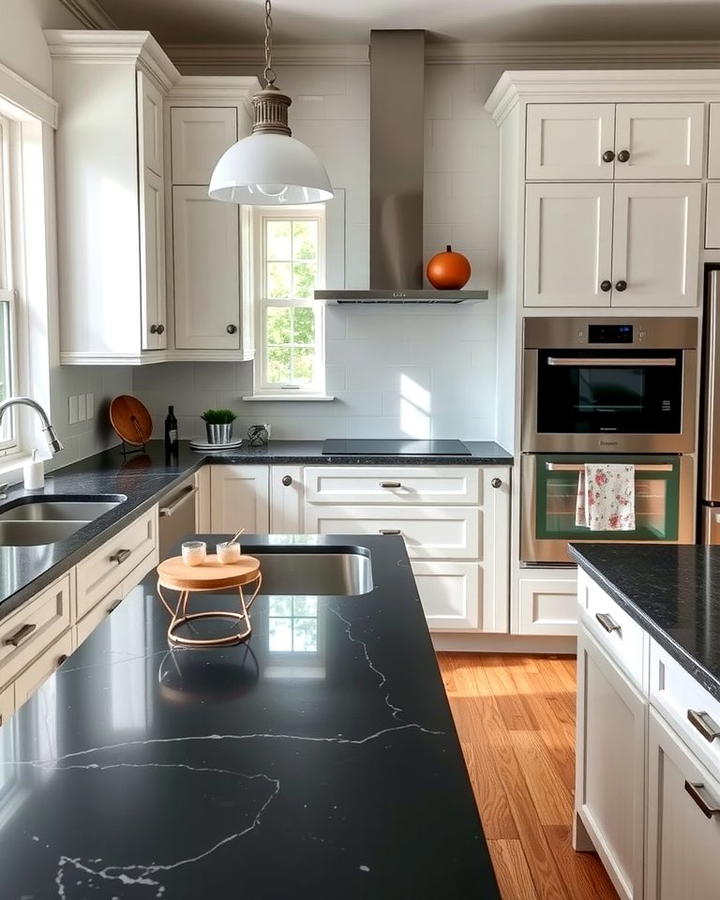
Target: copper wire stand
{"type": "Point", "coordinates": [212, 576]}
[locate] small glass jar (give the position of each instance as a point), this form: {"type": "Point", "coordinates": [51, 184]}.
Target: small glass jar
{"type": "Point", "coordinates": [194, 553]}
{"type": "Point", "coordinates": [228, 552]}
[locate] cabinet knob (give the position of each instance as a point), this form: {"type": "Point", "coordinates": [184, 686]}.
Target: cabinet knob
{"type": "Point", "coordinates": [287, 480]}
{"type": "Point", "coordinates": [605, 285]}
{"type": "Point", "coordinates": [160, 329]}
{"type": "Point", "coordinates": [496, 482]}
{"type": "Point", "coordinates": [231, 329]}
{"type": "Point", "coordinates": [153, 329]}
{"type": "Point", "coordinates": [620, 285]}
{"type": "Point", "coordinates": [608, 156]}
{"type": "Point", "coordinates": [623, 156]}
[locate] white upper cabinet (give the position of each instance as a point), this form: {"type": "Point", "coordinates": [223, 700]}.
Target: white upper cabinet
{"type": "Point", "coordinates": [206, 270]}
{"type": "Point", "coordinates": [714, 142]}
{"type": "Point", "coordinates": [659, 140]}
{"type": "Point", "coordinates": [152, 262]}
{"type": "Point", "coordinates": [150, 124]}
{"type": "Point", "coordinates": [568, 244]}
{"type": "Point", "coordinates": [567, 141]}
{"type": "Point", "coordinates": [656, 244]}
{"type": "Point", "coordinates": [200, 136]}
{"type": "Point", "coordinates": [606, 141]}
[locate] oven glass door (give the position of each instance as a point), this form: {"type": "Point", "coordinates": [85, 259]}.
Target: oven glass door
{"type": "Point", "coordinates": [657, 499]}
{"type": "Point", "coordinates": [609, 391]}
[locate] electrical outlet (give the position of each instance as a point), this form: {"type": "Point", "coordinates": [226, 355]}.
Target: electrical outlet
{"type": "Point", "coordinates": [72, 410]}
{"type": "Point", "coordinates": [90, 406]}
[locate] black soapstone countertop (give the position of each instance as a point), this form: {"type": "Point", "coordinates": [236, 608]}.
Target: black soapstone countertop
{"type": "Point", "coordinates": [143, 478]}
{"type": "Point", "coordinates": [673, 591]}
{"type": "Point", "coordinates": [139, 773]}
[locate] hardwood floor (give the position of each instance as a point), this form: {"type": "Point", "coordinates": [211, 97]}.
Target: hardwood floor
{"type": "Point", "coordinates": [516, 719]}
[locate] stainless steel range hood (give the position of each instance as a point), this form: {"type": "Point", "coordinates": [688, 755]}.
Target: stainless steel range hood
{"type": "Point", "coordinates": [397, 138]}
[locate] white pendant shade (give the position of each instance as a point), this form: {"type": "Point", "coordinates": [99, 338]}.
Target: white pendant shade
{"type": "Point", "coordinates": [266, 169]}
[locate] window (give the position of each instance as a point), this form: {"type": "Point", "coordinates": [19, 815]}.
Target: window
{"type": "Point", "coordinates": [289, 265]}
{"type": "Point", "coordinates": [8, 347]}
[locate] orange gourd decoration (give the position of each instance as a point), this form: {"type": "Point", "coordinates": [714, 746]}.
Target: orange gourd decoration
{"type": "Point", "coordinates": [448, 271]}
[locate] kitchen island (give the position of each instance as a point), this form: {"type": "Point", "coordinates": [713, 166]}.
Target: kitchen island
{"type": "Point", "coordinates": [647, 790]}
{"type": "Point", "coordinates": [318, 760]}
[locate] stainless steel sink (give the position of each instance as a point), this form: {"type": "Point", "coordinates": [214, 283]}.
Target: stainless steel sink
{"type": "Point", "coordinates": [38, 521]}
{"type": "Point", "coordinates": [303, 573]}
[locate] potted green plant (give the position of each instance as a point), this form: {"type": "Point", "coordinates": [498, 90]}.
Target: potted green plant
{"type": "Point", "coordinates": [219, 425]}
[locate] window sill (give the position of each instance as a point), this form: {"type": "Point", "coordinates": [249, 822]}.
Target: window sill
{"type": "Point", "coordinates": [286, 396]}
{"type": "Point", "coordinates": [11, 467]}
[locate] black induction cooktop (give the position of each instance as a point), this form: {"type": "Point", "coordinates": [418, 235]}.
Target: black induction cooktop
{"type": "Point", "coordinates": [340, 447]}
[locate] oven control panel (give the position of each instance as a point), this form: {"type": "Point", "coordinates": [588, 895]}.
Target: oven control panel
{"type": "Point", "coordinates": [605, 333]}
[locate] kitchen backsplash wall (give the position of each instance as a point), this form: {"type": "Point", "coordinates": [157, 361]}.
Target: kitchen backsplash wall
{"type": "Point", "coordinates": [418, 371]}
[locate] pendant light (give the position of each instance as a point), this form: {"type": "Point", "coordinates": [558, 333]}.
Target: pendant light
{"type": "Point", "coordinates": [269, 166]}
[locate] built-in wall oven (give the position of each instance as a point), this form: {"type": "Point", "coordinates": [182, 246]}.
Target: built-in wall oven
{"type": "Point", "coordinates": [608, 390]}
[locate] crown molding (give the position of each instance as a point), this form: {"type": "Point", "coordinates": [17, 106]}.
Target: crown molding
{"type": "Point", "coordinates": [602, 86]}
{"type": "Point", "coordinates": [228, 88]}
{"type": "Point", "coordinates": [223, 56]}
{"type": "Point", "coordinates": [89, 13]}
{"type": "Point", "coordinates": [582, 54]}
{"type": "Point", "coordinates": [114, 46]}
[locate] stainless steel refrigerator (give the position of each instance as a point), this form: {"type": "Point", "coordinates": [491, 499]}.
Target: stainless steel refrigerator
{"type": "Point", "coordinates": [709, 475]}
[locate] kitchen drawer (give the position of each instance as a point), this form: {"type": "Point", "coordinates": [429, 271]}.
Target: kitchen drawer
{"type": "Point", "coordinates": [7, 704]}
{"type": "Point", "coordinates": [449, 594]}
{"type": "Point", "coordinates": [105, 569]}
{"type": "Point", "coordinates": [98, 614]}
{"type": "Point", "coordinates": [691, 710]}
{"type": "Point", "coordinates": [27, 683]}
{"type": "Point", "coordinates": [712, 216]}
{"type": "Point", "coordinates": [399, 485]}
{"type": "Point", "coordinates": [35, 626]}
{"type": "Point", "coordinates": [429, 532]}
{"type": "Point", "coordinates": [616, 632]}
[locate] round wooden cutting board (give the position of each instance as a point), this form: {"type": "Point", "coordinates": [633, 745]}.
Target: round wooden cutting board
{"type": "Point", "coordinates": [130, 419]}
{"type": "Point", "coordinates": [211, 575]}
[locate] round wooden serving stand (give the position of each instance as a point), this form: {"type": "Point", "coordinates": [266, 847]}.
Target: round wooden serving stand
{"type": "Point", "coordinates": [212, 575]}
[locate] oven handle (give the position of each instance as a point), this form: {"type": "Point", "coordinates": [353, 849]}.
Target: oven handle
{"type": "Point", "coordinates": [578, 467]}
{"type": "Point", "coordinates": [611, 361]}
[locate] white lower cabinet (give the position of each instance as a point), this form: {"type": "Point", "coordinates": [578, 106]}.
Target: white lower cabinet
{"type": "Point", "coordinates": [610, 766]}
{"type": "Point", "coordinates": [546, 605]}
{"type": "Point", "coordinates": [7, 703]}
{"type": "Point", "coordinates": [683, 824]}
{"type": "Point", "coordinates": [451, 595]}
{"type": "Point", "coordinates": [27, 683]}
{"type": "Point", "coordinates": [240, 498]}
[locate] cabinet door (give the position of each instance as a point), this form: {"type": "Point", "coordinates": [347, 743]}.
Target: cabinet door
{"type": "Point", "coordinates": [29, 681]}
{"type": "Point", "coordinates": [714, 142]}
{"type": "Point", "coordinates": [662, 140]}
{"type": "Point", "coordinates": [206, 266]}
{"type": "Point", "coordinates": [239, 498]}
{"type": "Point", "coordinates": [287, 500]}
{"type": "Point", "coordinates": [152, 263]}
{"type": "Point", "coordinates": [200, 136]}
{"type": "Point", "coordinates": [683, 828]}
{"type": "Point", "coordinates": [546, 605]}
{"type": "Point", "coordinates": [495, 575]}
{"type": "Point", "coordinates": [150, 124]}
{"type": "Point", "coordinates": [610, 766]}
{"type": "Point", "coordinates": [656, 244]}
{"type": "Point", "coordinates": [568, 244]}
{"type": "Point", "coordinates": [566, 141]}
{"type": "Point", "coordinates": [451, 595]}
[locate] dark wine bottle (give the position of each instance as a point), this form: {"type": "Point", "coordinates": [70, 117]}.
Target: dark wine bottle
{"type": "Point", "coordinates": [171, 431]}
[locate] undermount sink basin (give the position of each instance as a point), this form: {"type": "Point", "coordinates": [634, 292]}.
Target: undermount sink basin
{"type": "Point", "coordinates": [331, 573]}
{"type": "Point", "coordinates": [35, 521]}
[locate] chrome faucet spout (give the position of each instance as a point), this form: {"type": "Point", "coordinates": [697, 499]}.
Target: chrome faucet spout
{"type": "Point", "coordinates": [54, 442]}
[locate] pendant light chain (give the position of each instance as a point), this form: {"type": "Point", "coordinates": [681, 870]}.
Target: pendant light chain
{"type": "Point", "coordinates": [268, 73]}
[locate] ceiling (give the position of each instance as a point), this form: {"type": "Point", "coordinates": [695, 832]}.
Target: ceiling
{"type": "Point", "coordinates": [349, 21]}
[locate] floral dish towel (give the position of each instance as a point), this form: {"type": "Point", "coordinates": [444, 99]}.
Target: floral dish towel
{"type": "Point", "coordinates": [606, 497]}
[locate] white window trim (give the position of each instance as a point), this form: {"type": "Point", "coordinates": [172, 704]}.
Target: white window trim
{"type": "Point", "coordinates": [261, 390]}
{"type": "Point", "coordinates": [12, 447]}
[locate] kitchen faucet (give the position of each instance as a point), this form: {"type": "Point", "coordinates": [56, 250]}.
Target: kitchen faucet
{"type": "Point", "coordinates": [54, 442]}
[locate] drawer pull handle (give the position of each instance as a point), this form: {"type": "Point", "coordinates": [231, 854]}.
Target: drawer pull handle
{"type": "Point", "coordinates": [704, 723]}
{"type": "Point", "coordinates": [114, 606]}
{"type": "Point", "coordinates": [166, 511]}
{"type": "Point", "coordinates": [390, 531]}
{"type": "Point", "coordinates": [701, 796]}
{"type": "Point", "coordinates": [607, 622]}
{"type": "Point", "coordinates": [120, 556]}
{"type": "Point", "coordinates": [17, 637]}
{"type": "Point", "coordinates": [61, 659]}
{"type": "Point", "coordinates": [390, 484]}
